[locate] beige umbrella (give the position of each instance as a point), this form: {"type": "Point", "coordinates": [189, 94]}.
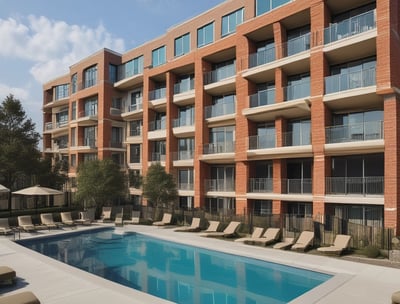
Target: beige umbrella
{"type": "Point", "coordinates": [36, 191]}
{"type": "Point", "coordinates": [4, 189]}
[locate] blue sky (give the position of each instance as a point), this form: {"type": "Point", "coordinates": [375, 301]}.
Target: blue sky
{"type": "Point", "coordinates": [40, 39]}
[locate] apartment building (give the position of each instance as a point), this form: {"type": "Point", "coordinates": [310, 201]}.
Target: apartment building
{"type": "Point", "coordinates": [273, 106]}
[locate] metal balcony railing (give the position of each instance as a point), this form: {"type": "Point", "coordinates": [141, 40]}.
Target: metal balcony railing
{"type": "Point", "coordinates": [290, 139]}
{"type": "Point", "coordinates": [221, 147]}
{"type": "Point", "coordinates": [348, 81]}
{"type": "Point", "coordinates": [157, 125]}
{"type": "Point", "coordinates": [183, 155]}
{"type": "Point", "coordinates": [262, 98]}
{"type": "Point", "coordinates": [368, 185]}
{"type": "Point", "coordinates": [262, 57]}
{"type": "Point", "coordinates": [157, 94]}
{"type": "Point", "coordinates": [261, 142]}
{"type": "Point", "coordinates": [261, 185]}
{"type": "Point", "coordinates": [297, 185]}
{"type": "Point", "coordinates": [220, 109]}
{"type": "Point", "coordinates": [368, 130]}
{"type": "Point", "coordinates": [223, 185]}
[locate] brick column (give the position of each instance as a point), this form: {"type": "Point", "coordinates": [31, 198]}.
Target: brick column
{"type": "Point", "coordinates": [172, 113]}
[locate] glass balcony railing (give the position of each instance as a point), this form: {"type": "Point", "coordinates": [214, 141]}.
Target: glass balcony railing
{"type": "Point", "coordinates": [135, 132]}
{"type": "Point", "coordinates": [260, 185]}
{"type": "Point", "coordinates": [183, 122]}
{"type": "Point", "coordinates": [221, 147]}
{"type": "Point", "coordinates": [220, 74]}
{"type": "Point", "coordinates": [368, 185]}
{"type": "Point", "coordinates": [48, 126]}
{"type": "Point", "coordinates": [296, 139]}
{"type": "Point", "coordinates": [157, 125]}
{"type": "Point", "coordinates": [355, 132]}
{"type": "Point", "coordinates": [220, 185]}
{"type": "Point", "coordinates": [297, 186]}
{"type": "Point", "coordinates": [296, 45]}
{"type": "Point", "coordinates": [157, 94]}
{"type": "Point", "coordinates": [262, 98]}
{"type": "Point", "coordinates": [262, 57]}
{"type": "Point", "coordinates": [156, 156]}
{"type": "Point", "coordinates": [89, 113]}
{"type": "Point", "coordinates": [220, 109]}
{"type": "Point", "coordinates": [348, 81]}
{"type": "Point", "coordinates": [350, 27]}
{"type": "Point", "coordinates": [135, 107]}
{"type": "Point", "coordinates": [90, 142]}
{"type": "Point", "coordinates": [184, 86]}
{"type": "Point", "coordinates": [297, 91]}
{"type": "Point", "coordinates": [183, 155]}
{"type": "Point", "coordinates": [261, 142]}
{"type": "Point", "coordinates": [185, 186]}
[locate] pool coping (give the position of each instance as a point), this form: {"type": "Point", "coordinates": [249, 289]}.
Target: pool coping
{"type": "Point", "coordinates": [352, 282]}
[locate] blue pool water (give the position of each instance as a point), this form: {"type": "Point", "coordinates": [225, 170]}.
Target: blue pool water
{"type": "Point", "coordinates": [176, 272]}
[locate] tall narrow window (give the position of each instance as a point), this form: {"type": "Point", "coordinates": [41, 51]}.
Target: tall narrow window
{"type": "Point", "coordinates": [205, 35]}
{"type": "Point", "coordinates": [90, 76]}
{"type": "Point", "coordinates": [182, 45]}
{"type": "Point", "coordinates": [112, 73]}
{"type": "Point", "coordinates": [74, 83]}
{"type": "Point", "coordinates": [159, 56]}
{"type": "Point", "coordinates": [229, 22]}
{"type": "Point", "coordinates": [73, 110]}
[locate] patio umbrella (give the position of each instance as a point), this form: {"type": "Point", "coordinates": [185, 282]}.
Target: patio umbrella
{"type": "Point", "coordinates": [36, 191]}
{"type": "Point", "coordinates": [4, 189]}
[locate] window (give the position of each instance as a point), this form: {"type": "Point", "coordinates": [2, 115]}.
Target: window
{"type": "Point", "coordinates": [185, 179]}
{"type": "Point", "coordinates": [158, 56]}
{"type": "Point", "coordinates": [229, 22]}
{"type": "Point", "coordinates": [205, 35]}
{"type": "Point", "coordinates": [74, 83]}
{"type": "Point", "coordinates": [263, 6]}
{"type": "Point", "coordinates": [135, 127]}
{"type": "Point", "coordinates": [298, 86]}
{"type": "Point", "coordinates": [90, 107]}
{"type": "Point", "coordinates": [73, 110]}
{"type": "Point", "coordinates": [62, 118]}
{"type": "Point", "coordinates": [223, 178]}
{"type": "Point", "coordinates": [182, 45]}
{"type": "Point", "coordinates": [89, 157]}
{"type": "Point", "coordinates": [90, 75]}
{"type": "Point", "coordinates": [130, 68]}
{"type": "Point", "coordinates": [134, 156]}
{"type": "Point", "coordinates": [184, 83]}
{"type": "Point", "coordinates": [112, 73]}
{"type": "Point", "coordinates": [89, 136]}
{"type": "Point", "coordinates": [159, 150]}
{"type": "Point", "coordinates": [62, 91]}
{"type": "Point", "coordinates": [185, 148]}
{"type": "Point", "coordinates": [299, 133]}
{"type": "Point", "coordinates": [116, 137]}
{"type": "Point", "coordinates": [186, 116]}
{"type": "Point", "coordinates": [136, 101]}
{"type": "Point", "coordinates": [73, 160]}
{"type": "Point", "coordinates": [73, 137]}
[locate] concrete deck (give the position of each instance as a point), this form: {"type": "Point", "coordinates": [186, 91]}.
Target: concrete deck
{"type": "Point", "coordinates": [57, 283]}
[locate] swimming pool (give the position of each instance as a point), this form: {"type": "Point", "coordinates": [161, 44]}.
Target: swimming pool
{"type": "Point", "coordinates": [179, 273]}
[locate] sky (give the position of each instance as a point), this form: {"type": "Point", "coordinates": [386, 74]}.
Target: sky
{"type": "Point", "coordinates": [41, 39]}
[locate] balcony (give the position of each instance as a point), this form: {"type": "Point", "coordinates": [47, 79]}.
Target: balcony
{"type": "Point", "coordinates": [221, 147]}
{"type": "Point", "coordinates": [290, 139]}
{"type": "Point", "coordinates": [183, 158]}
{"type": "Point", "coordinates": [296, 45]}
{"type": "Point", "coordinates": [261, 142]}
{"type": "Point", "coordinates": [348, 81]}
{"type": "Point", "coordinates": [370, 130]}
{"type": "Point", "coordinates": [220, 109]}
{"type": "Point", "coordinates": [135, 132]}
{"type": "Point", "coordinates": [369, 185]}
{"type": "Point", "coordinates": [133, 110]}
{"type": "Point", "coordinates": [350, 27]}
{"type": "Point", "coordinates": [220, 74]}
{"type": "Point", "coordinates": [157, 157]}
{"type": "Point", "coordinates": [262, 98]}
{"type": "Point", "coordinates": [90, 143]}
{"type": "Point", "coordinates": [220, 81]}
{"type": "Point", "coordinates": [186, 186]}
{"type": "Point", "coordinates": [262, 57]}
{"type": "Point", "coordinates": [185, 86]}
{"type": "Point", "coordinates": [219, 185]}
{"type": "Point", "coordinates": [157, 94]}
{"type": "Point", "coordinates": [297, 91]}
{"type": "Point", "coordinates": [261, 185]}
{"type": "Point", "coordinates": [183, 127]}
{"type": "Point", "coordinates": [297, 186]}
{"type": "Point", "coordinates": [87, 117]}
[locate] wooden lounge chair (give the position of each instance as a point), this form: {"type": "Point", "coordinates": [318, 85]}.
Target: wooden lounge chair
{"type": "Point", "coordinates": [25, 223]}
{"type": "Point", "coordinates": [257, 233]}
{"type": "Point", "coordinates": [106, 214]}
{"type": "Point", "coordinates": [135, 218]}
{"type": "Point", "coordinates": [195, 226]}
{"type": "Point", "coordinates": [270, 236]}
{"type": "Point", "coordinates": [66, 219]}
{"type": "Point", "coordinates": [304, 241]}
{"type": "Point", "coordinates": [167, 218]}
{"type": "Point", "coordinates": [84, 218]}
{"type": "Point", "coordinates": [7, 275]}
{"type": "Point", "coordinates": [24, 297]}
{"type": "Point", "coordinates": [119, 219]}
{"type": "Point", "coordinates": [340, 244]}
{"type": "Point", "coordinates": [285, 244]}
{"type": "Point", "coordinates": [212, 226]}
{"type": "Point", "coordinates": [229, 231]}
{"type": "Point", "coordinates": [5, 226]}
{"type": "Point", "coordinates": [48, 221]}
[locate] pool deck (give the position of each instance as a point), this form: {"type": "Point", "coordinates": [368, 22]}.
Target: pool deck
{"type": "Point", "coordinates": [54, 282]}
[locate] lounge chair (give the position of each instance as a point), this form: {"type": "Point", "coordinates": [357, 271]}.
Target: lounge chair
{"type": "Point", "coordinates": [257, 233]}
{"type": "Point", "coordinates": [84, 218]}
{"type": "Point", "coordinates": [270, 236]}
{"type": "Point", "coordinates": [195, 226]}
{"type": "Point", "coordinates": [106, 214]}
{"type": "Point", "coordinates": [135, 218]}
{"type": "Point", "coordinates": [5, 226]}
{"type": "Point", "coordinates": [304, 241]}
{"type": "Point", "coordinates": [25, 223]}
{"type": "Point", "coordinates": [396, 297]}
{"type": "Point", "coordinates": [66, 219]}
{"type": "Point", "coordinates": [7, 275]}
{"type": "Point", "coordinates": [167, 218]}
{"type": "Point", "coordinates": [119, 219]}
{"type": "Point", "coordinates": [340, 244]}
{"type": "Point", "coordinates": [229, 231]}
{"type": "Point", "coordinates": [48, 221]}
{"type": "Point", "coordinates": [24, 297]}
{"type": "Point", "coordinates": [285, 244]}
{"type": "Point", "coordinates": [212, 226]}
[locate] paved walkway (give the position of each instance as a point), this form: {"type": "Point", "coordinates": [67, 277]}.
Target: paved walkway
{"type": "Point", "coordinates": [57, 283]}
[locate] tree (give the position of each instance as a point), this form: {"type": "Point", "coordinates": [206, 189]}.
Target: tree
{"type": "Point", "coordinates": [159, 186]}
{"type": "Point", "coordinates": [99, 181]}
{"type": "Point", "coordinates": [52, 175]}
{"type": "Point", "coordinates": [19, 154]}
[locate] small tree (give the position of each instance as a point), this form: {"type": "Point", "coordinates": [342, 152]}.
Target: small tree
{"type": "Point", "coordinates": [159, 187]}
{"type": "Point", "coordinates": [99, 181]}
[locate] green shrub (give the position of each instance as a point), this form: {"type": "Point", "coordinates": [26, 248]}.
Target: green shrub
{"type": "Point", "coordinates": [372, 251]}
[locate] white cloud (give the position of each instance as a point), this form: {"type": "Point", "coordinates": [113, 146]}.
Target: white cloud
{"type": "Point", "coordinates": [19, 93]}
{"type": "Point", "coordinates": [52, 46]}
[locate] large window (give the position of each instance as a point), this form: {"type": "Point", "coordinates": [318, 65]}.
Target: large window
{"type": "Point", "coordinates": [73, 110]}
{"type": "Point", "coordinates": [74, 83]}
{"type": "Point", "coordinates": [185, 179]}
{"type": "Point", "coordinates": [159, 151]}
{"type": "Point", "coordinates": [185, 148]}
{"type": "Point", "coordinates": [158, 56]}
{"type": "Point", "coordinates": [136, 101]}
{"type": "Point", "coordinates": [130, 68]}
{"type": "Point", "coordinates": [90, 135]}
{"type": "Point", "coordinates": [90, 75]}
{"type": "Point", "coordinates": [182, 45]}
{"type": "Point", "coordinates": [263, 6]}
{"type": "Point", "coordinates": [229, 22]}
{"type": "Point", "coordinates": [90, 107]}
{"type": "Point", "coordinates": [135, 127]}
{"type": "Point", "coordinates": [222, 178]}
{"type": "Point", "coordinates": [299, 133]}
{"type": "Point", "coordinates": [205, 35]}
{"type": "Point", "coordinates": [116, 137]}
{"type": "Point", "coordinates": [134, 156]}
{"type": "Point", "coordinates": [62, 91]}
{"type": "Point", "coordinates": [112, 73]}
{"type": "Point", "coordinates": [62, 118]}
